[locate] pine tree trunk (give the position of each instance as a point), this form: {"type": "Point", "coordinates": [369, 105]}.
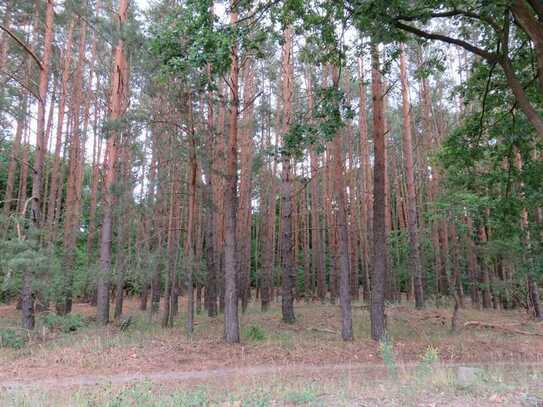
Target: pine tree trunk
{"type": "Point", "coordinates": [14, 157]}
{"type": "Point", "coordinates": [415, 266]}
{"type": "Point", "coordinates": [287, 253]}
{"type": "Point", "coordinates": [37, 171]}
{"type": "Point", "coordinates": [210, 257]}
{"type": "Point", "coordinates": [56, 168]}
{"type": "Point", "coordinates": [231, 317]}
{"type": "Point", "coordinates": [317, 253]}
{"type": "Point", "coordinates": [71, 212]}
{"type": "Point", "coordinates": [485, 274]}
{"type": "Point", "coordinates": [123, 225]}
{"type": "Point", "coordinates": [268, 235]}
{"type": "Point", "coordinates": [246, 164]}
{"type": "Point", "coordinates": [190, 257]}
{"type": "Point", "coordinates": [366, 210]}
{"type": "Point", "coordinates": [379, 195]}
{"type": "Point", "coordinates": [343, 234]}
{"type": "Point", "coordinates": [118, 93]}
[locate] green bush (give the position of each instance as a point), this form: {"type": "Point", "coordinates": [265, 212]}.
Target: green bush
{"type": "Point", "coordinates": [9, 338]}
{"type": "Point", "coordinates": [304, 396]}
{"type": "Point", "coordinates": [254, 333]}
{"type": "Point", "coordinates": [64, 323]}
{"type": "Point", "coordinates": [386, 349]}
{"type": "Point", "coordinates": [424, 368]}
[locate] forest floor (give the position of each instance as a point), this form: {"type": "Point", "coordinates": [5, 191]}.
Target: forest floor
{"type": "Point", "coordinates": [280, 364]}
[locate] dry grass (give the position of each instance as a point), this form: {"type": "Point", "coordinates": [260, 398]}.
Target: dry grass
{"type": "Point", "coordinates": [348, 388]}
{"type": "Point", "coordinates": [146, 347]}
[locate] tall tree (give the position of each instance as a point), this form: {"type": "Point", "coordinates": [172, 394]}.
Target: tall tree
{"type": "Point", "coordinates": [37, 168]}
{"type": "Point", "coordinates": [231, 317]}
{"type": "Point", "coordinates": [287, 253]}
{"type": "Point", "coordinates": [118, 86]}
{"type": "Point", "coordinates": [377, 308]}
{"type": "Point", "coordinates": [415, 266]}
{"type": "Point", "coordinates": [342, 230]}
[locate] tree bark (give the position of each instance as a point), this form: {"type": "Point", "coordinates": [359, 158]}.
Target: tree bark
{"type": "Point", "coordinates": [317, 251]}
{"type": "Point", "coordinates": [415, 266]}
{"type": "Point", "coordinates": [14, 157]}
{"type": "Point", "coordinates": [190, 243]}
{"type": "Point", "coordinates": [37, 170]}
{"type": "Point", "coordinates": [366, 211]}
{"type": "Point", "coordinates": [379, 224]}
{"type": "Point", "coordinates": [123, 225]}
{"type": "Point", "coordinates": [287, 75]}
{"type": "Point", "coordinates": [211, 265]}
{"type": "Point", "coordinates": [231, 317]}
{"type": "Point", "coordinates": [343, 234]}
{"type": "Point", "coordinates": [269, 220]}
{"type": "Point", "coordinates": [526, 18]}
{"type": "Point", "coordinates": [245, 187]}
{"type": "Point", "coordinates": [73, 199]}
{"type": "Point", "coordinates": [118, 92]}
{"type": "Point", "coordinates": [472, 264]}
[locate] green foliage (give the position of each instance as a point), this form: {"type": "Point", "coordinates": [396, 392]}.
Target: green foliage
{"type": "Point", "coordinates": [386, 349]}
{"type": "Point", "coordinates": [19, 255]}
{"type": "Point", "coordinates": [63, 323]}
{"type": "Point", "coordinates": [254, 333]}
{"type": "Point", "coordinates": [191, 39]}
{"type": "Point", "coordinates": [300, 397]}
{"type": "Point", "coordinates": [144, 394]}
{"type": "Point", "coordinates": [10, 338]}
{"type": "Point", "coordinates": [424, 368]}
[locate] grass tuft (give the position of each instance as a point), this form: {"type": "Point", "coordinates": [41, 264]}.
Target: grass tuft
{"type": "Point", "coordinates": [254, 333]}
{"type": "Point", "coordinates": [10, 338]}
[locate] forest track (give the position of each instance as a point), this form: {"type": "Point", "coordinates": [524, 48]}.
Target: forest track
{"type": "Point", "coordinates": [373, 371]}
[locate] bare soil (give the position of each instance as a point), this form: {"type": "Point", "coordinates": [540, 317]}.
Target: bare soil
{"type": "Point", "coordinates": [96, 354]}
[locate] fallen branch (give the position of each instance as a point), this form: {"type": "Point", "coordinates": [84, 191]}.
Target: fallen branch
{"type": "Point", "coordinates": [426, 317]}
{"type": "Point", "coordinates": [501, 327]}
{"type": "Point", "coordinates": [323, 330]}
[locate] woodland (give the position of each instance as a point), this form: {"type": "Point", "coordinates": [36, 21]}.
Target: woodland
{"type": "Point", "coordinates": [200, 157]}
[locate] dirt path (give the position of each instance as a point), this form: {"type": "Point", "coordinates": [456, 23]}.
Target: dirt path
{"type": "Point", "coordinates": [187, 375]}
{"type": "Point", "coordinates": [373, 371]}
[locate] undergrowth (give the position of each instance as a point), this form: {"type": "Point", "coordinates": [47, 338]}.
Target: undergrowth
{"type": "Point", "coordinates": [254, 333]}
{"type": "Point", "coordinates": [63, 323]}
{"type": "Point", "coordinates": [11, 338]}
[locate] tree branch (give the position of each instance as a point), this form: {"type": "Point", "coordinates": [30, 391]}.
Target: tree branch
{"type": "Point", "coordinates": [23, 45]}
{"type": "Point", "coordinates": [491, 57]}
{"type": "Point", "coordinates": [20, 82]}
{"type": "Point", "coordinates": [455, 13]}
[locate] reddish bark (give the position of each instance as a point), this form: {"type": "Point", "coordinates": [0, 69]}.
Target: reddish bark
{"type": "Point", "coordinates": [118, 92]}
{"type": "Point", "coordinates": [415, 266]}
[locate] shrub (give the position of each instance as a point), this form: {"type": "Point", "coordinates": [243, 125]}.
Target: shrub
{"type": "Point", "coordinates": [254, 333]}
{"type": "Point", "coordinates": [304, 396]}
{"type": "Point", "coordinates": [387, 352]}
{"type": "Point", "coordinates": [64, 323]}
{"type": "Point", "coordinates": [425, 366]}
{"type": "Point", "coordinates": [10, 338]}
